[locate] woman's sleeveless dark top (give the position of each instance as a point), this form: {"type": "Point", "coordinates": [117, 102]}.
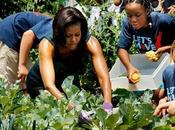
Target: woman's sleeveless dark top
{"type": "Point", "coordinates": [74, 65]}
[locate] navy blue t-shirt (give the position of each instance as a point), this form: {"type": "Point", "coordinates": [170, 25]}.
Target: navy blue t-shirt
{"type": "Point", "coordinates": [161, 33]}
{"type": "Point", "coordinates": [44, 30]}
{"type": "Point", "coordinates": [13, 27]}
{"type": "Point", "coordinates": [169, 81]}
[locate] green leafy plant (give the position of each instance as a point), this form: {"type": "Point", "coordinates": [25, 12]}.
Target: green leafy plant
{"type": "Point", "coordinates": [132, 112]}
{"type": "Point", "coordinates": [101, 25]}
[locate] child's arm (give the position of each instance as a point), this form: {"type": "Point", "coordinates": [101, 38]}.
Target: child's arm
{"type": "Point", "coordinates": [117, 2]}
{"type": "Point", "coordinates": [25, 47]}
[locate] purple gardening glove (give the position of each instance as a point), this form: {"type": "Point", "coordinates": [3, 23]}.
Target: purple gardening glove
{"type": "Point", "coordinates": [85, 116]}
{"type": "Point", "coordinates": [107, 107]}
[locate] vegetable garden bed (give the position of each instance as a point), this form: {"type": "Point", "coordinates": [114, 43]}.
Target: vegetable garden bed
{"type": "Point", "coordinates": [131, 112]}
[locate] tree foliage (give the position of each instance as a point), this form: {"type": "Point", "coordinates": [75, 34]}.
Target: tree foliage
{"type": "Point", "coordinates": [8, 7]}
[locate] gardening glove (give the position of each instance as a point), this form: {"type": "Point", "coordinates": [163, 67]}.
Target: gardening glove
{"type": "Point", "coordinates": [107, 107]}
{"type": "Point", "coordinates": [85, 116]}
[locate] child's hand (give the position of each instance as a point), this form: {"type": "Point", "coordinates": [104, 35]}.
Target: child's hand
{"type": "Point", "coordinates": [132, 70]}
{"type": "Point", "coordinates": [161, 50]}
{"type": "Point", "coordinates": [162, 111]}
{"type": "Point", "coordinates": [168, 106]}
{"type": "Point", "coordinates": [152, 56]}
{"type": "Point", "coordinates": [22, 72]}
{"type": "Point", "coordinates": [171, 10]}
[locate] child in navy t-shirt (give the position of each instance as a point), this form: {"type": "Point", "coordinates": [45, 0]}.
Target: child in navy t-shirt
{"type": "Point", "coordinates": [146, 30]}
{"type": "Point", "coordinates": [19, 30]}
{"type": "Point", "coordinates": [168, 92]}
{"type": "Point", "coordinates": [169, 77]}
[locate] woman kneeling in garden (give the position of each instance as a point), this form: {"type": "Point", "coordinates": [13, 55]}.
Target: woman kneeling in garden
{"type": "Point", "coordinates": [64, 51]}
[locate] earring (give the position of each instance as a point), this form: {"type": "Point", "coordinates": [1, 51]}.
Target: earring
{"type": "Point", "coordinates": [150, 24]}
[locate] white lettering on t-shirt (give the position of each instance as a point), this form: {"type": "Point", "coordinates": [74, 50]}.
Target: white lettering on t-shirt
{"type": "Point", "coordinates": [144, 43]}
{"type": "Point", "coordinates": [171, 93]}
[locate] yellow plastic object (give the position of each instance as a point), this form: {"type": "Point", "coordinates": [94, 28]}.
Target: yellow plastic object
{"type": "Point", "coordinates": [151, 56]}
{"type": "Point", "coordinates": [135, 77]}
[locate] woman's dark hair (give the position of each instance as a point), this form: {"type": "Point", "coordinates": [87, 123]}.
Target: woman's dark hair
{"type": "Point", "coordinates": [145, 3]}
{"type": "Point", "coordinates": [65, 17]}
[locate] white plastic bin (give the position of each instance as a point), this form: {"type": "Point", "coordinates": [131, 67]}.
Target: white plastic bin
{"type": "Point", "coordinates": [151, 73]}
